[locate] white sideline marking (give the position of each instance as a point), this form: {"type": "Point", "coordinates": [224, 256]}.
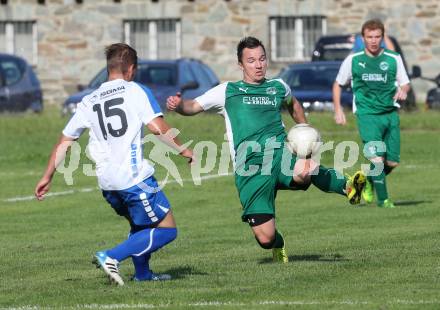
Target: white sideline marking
{"type": "Point", "coordinates": [25, 198]}
{"type": "Point", "coordinates": [85, 190]}
{"type": "Point", "coordinates": [89, 189]}
{"type": "Point", "coordinates": [9, 173]}
{"type": "Point", "coordinates": [230, 304]}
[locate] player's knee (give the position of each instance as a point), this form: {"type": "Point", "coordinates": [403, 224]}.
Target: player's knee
{"type": "Point", "coordinates": [299, 183]}
{"type": "Point", "coordinates": [265, 242]}
{"type": "Point", "coordinates": [376, 160]}
{"type": "Point", "coordinates": [264, 234]}
{"type": "Point", "coordinates": [392, 164]}
{"type": "Point", "coordinates": [303, 177]}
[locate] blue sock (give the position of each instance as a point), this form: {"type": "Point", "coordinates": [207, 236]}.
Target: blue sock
{"type": "Point", "coordinates": [143, 242]}
{"type": "Point", "coordinates": [142, 267]}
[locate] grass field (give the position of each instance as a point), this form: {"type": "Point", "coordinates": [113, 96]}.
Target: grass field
{"type": "Point", "coordinates": [340, 257]}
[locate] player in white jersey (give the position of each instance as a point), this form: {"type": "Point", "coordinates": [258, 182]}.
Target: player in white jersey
{"type": "Point", "coordinates": [115, 114]}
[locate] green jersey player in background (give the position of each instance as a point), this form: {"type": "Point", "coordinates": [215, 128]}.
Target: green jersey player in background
{"type": "Point", "coordinates": [252, 112]}
{"type": "Point", "coordinates": [379, 81]}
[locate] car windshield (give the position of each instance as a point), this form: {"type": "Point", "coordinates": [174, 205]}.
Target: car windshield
{"type": "Point", "coordinates": [11, 70]}
{"type": "Point", "coordinates": [163, 75]}
{"type": "Point", "coordinates": [100, 78]}
{"type": "Point", "coordinates": [331, 54]}
{"type": "Point", "coordinates": [311, 78]}
{"type": "Point", "coordinates": [160, 75]}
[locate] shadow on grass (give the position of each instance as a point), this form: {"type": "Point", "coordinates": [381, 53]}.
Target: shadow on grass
{"type": "Point", "coordinates": [411, 202]}
{"type": "Point", "coordinates": [182, 272]}
{"type": "Point", "coordinates": [332, 258]}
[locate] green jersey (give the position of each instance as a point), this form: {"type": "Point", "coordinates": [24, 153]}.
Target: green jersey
{"type": "Point", "coordinates": [374, 80]}
{"type": "Point", "coordinates": [252, 113]}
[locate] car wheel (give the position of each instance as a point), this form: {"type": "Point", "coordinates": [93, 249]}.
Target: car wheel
{"type": "Point", "coordinates": [36, 107]}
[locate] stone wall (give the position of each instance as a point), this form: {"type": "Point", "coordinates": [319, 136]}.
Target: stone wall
{"type": "Point", "coordinates": [71, 36]}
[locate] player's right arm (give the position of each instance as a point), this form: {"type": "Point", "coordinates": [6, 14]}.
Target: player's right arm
{"type": "Point", "coordinates": [343, 78]}
{"type": "Point", "coordinates": [57, 155]}
{"type": "Point", "coordinates": [186, 107]}
{"type": "Point", "coordinates": [71, 133]}
{"type": "Point", "coordinates": [212, 100]}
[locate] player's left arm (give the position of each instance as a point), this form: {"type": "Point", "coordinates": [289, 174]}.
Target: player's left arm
{"type": "Point", "coordinates": [293, 106]}
{"type": "Point", "coordinates": [402, 92]}
{"type": "Point", "coordinates": [57, 155]}
{"type": "Point", "coordinates": [159, 127]}
{"type": "Point", "coordinates": [295, 110]}
{"type": "Point", "coordinates": [151, 115]}
{"type": "Point", "coordinates": [402, 81]}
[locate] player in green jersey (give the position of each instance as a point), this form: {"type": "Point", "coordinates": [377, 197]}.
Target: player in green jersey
{"type": "Point", "coordinates": [252, 111]}
{"type": "Point", "coordinates": [379, 81]}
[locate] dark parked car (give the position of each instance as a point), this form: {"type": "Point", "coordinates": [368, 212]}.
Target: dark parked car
{"type": "Point", "coordinates": [337, 47]}
{"type": "Point", "coordinates": [164, 77]}
{"type": "Point", "coordinates": [20, 89]}
{"type": "Point", "coordinates": [433, 95]}
{"type": "Point", "coordinates": [333, 47]}
{"type": "Point", "coordinates": [311, 84]}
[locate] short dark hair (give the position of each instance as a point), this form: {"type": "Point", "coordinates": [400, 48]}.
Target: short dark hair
{"type": "Point", "coordinates": [120, 56]}
{"type": "Point", "coordinates": [248, 42]}
{"type": "Point", "coordinates": [373, 24]}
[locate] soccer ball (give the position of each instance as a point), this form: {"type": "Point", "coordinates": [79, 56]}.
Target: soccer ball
{"type": "Point", "coordinates": [303, 140]}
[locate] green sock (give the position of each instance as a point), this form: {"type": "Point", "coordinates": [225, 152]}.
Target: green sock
{"type": "Point", "coordinates": [329, 181]}
{"type": "Point", "coordinates": [279, 240]}
{"type": "Point", "coordinates": [370, 179]}
{"type": "Point", "coordinates": [380, 186]}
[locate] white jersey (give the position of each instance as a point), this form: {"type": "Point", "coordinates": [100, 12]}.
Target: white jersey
{"type": "Point", "coordinates": [115, 114]}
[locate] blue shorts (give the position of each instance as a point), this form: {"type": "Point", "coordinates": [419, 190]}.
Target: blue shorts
{"type": "Point", "coordinates": [139, 204]}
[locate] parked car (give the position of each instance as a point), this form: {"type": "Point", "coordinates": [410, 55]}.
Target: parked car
{"type": "Point", "coordinates": [20, 89]}
{"type": "Point", "coordinates": [333, 47]}
{"type": "Point", "coordinates": [164, 77]}
{"type": "Point", "coordinates": [312, 82]}
{"type": "Point", "coordinates": [433, 95]}
{"type": "Point", "coordinates": [337, 47]}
